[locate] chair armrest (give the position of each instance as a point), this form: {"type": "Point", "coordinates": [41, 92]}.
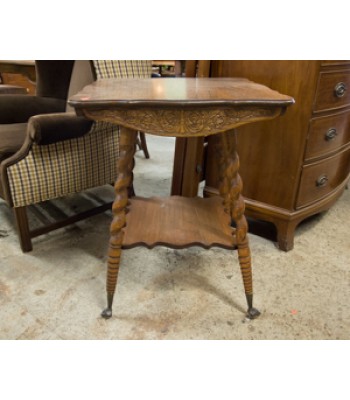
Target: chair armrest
{"type": "Point", "coordinates": [15, 109]}
{"type": "Point", "coordinates": [52, 128]}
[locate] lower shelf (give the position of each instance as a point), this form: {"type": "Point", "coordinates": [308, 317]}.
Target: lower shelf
{"type": "Point", "coordinates": [178, 222]}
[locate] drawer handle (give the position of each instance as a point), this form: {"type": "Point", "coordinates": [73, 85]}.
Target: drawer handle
{"type": "Point", "coordinates": [331, 134]}
{"type": "Point", "coordinates": [322, 181]}
{"type": "Point", "coordinates": [340, 89]}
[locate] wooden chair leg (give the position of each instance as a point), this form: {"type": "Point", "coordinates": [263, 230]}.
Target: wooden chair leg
{"type": "Point", "coordinates": [144, 144]}
{"type": "Point", "coordinates": [23, 228]}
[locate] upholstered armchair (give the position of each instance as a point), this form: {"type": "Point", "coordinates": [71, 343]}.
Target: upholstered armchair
{"type": "Point", "coordinates": [46, 151]}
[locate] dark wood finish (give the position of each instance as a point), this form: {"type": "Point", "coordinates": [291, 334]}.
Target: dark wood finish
{"type": "Point", "coordinates": [23, 228]}
{"type": "Point", "coordinates": [179, 169]}
{"type": "Point", "coordinates": [71, 219]}
{"type": "Point", "coordinates": [282, 159]}
{"type": "Point", "coordinates": [189, 149]}
{"type": "Point", "coordinates": [26, 234]}
{"type": "Point", "coordinates": [187, 108]}
{"type": "Point", "coordinates": [23, 67]}
{"type": "Point", "coordinates": [186, 174]}
{"type": "Point", "coordinates": [143, 144]}
{"type": "Point", "coordinates": [20, 73]}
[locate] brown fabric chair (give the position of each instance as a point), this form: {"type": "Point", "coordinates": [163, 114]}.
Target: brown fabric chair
{"type": "Point", "coordinates": [47, 152]}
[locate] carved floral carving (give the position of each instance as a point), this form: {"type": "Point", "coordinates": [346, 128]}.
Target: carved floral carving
{"type": "Point", "coordinates": [185, 121]}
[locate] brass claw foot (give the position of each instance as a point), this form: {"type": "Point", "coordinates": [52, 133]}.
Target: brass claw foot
{"type": "Point", "coordinates": [106, 313]}
{"type": "Point", "coordinates": [252, 313]}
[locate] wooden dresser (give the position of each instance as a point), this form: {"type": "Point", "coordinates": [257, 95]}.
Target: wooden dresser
{"type": "Point", "coordinates": [297, 165]}
{"type": "Point", "coordinates": [19, 73]}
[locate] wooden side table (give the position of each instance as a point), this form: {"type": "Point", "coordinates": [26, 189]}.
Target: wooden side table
{"type": "Point", "coordinates": [183, 107]}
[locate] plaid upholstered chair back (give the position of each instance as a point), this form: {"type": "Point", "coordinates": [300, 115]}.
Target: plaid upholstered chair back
{"type": "Point", "coordinates": [122, 68]}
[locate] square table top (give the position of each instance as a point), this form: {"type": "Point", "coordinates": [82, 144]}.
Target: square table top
{"type": "Point", "coordinates": [172, 92]}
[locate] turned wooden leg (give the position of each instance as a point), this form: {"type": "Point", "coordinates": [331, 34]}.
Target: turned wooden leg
{"type": "Point", "coordinates": [23, 228]}
{"type": "Point", "coordinates": [123, 183]}
{"type": "Point", "coordinates": [230, 189]}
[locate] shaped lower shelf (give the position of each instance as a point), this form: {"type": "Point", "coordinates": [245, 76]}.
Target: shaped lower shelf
{"type": "Point", "coordinates": [178, 222]}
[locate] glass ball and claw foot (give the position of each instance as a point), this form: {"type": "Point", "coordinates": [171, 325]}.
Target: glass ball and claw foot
{"type": "Point", "coordinates": [252, 312]}
{"type": "Point", "coordinates": [107, 312]}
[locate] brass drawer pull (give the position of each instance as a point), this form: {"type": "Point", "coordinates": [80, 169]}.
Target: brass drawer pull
{"type": "Point", "coordinates": [340, 89]}
{"type": "Point", "coordinates": [322, 181]}
{"type": "Point", "coordinates": [331, 134]}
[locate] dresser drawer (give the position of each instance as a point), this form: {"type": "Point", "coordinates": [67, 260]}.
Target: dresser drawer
{"type": "Point", "coordinates": [333, 63]}
{"type": "Point", "coordinates": [327, 134]}
{"type": "Point", "coordinates": [333, 90]}
{"type": "Point", "coordinates": [319, 179]}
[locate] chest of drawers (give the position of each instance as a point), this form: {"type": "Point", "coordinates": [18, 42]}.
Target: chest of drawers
{"type": "Point", "coordinates": [306, 153]}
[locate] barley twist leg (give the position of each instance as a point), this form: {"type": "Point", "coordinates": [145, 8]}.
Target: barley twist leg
{"type": "Point", "coordinates": [124, 181]}
{"type": "Point", "coordinates": [230, 189]}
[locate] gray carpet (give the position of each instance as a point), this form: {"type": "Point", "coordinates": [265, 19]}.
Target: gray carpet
{"type": "Point", "coordinates": [58, 290]}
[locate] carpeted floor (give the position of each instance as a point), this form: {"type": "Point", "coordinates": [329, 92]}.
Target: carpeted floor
{"type": "Point", "coordinates": [58, 290]}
